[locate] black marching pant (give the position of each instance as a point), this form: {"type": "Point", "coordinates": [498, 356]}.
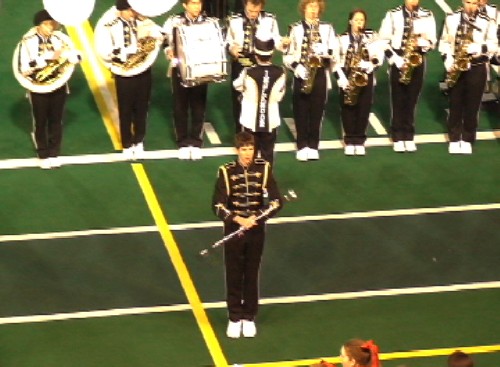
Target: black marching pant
{"type": "Point", "coordinates": [236, 97]}
{"type": "Point", "coordinates": [134, 94]}
{"type": "Point", "coordinates": [355, 118]}
{"type": "Point", "coordinates": [186, 100]}
{"type": "Point", "coordinates": [404, 100]}
{"type": "Point", "coordinates": [309, 110]}
{"type": "Point", "coordinates": [264, 144]}
{"type": "Point", "coordinates": [465, 100]}
{"type": "Point", "coordinates": [242, 257]}
{"type": "Point", "coordinates": [48, 109]}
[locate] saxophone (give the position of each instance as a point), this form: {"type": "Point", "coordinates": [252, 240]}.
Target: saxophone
{"type": "Point", "coordinates": [145, 46]}
{"type": "Point", "coordinates": [50, 72]}
{"type": "Point", "coordinates": [357, 77]}
{"type": "Point", "coordinates": [462, 59]}
{"type": "Point", "coordinates": [412, 58]}
{"type": "Point", "coordinates": [313, 62]}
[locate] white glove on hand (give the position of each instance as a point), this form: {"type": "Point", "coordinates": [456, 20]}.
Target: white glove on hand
{"type": "Point", "coordinates": [398, 61]}
{"type": "Point", "coordinates": [72, 56]}
{"type": "Point", "coordinates": [40, 62]}
{"type": "Point", "coordinates": [367, 66]}
{"type": "Point", "coordinates": [342, 82]}
{"type": "Point", "coordinates": [130, 50]}
{"type": "Point", "coordinates": [300, 72]}
{"type": "Point", "coordinates": [474, 48]}
{"type": "Point", "coordinates": [448, 63]}
{"type": "Point", "coordinates": [422, 42]}
{"type": "Point", "coordinates": [319, 49]}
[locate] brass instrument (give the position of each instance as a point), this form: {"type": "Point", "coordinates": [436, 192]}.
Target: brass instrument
{"type": "Point", "coordinates": [412, 58]}
{"type": "Point", "coordinates": [50, 72]}
{"type": "Point", "coordinates": [462, 59]}
{"type": "Point", "coordinates": [313, 62]}
{"type": "Point", "coordinates": [357, 78]}
{"type": "Point", "coordinates": [145, 46]}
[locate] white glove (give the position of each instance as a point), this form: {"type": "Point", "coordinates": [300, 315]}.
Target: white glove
{"type": "Point", "coordinates": [398, 61]}
{"type": "Point", "coordinates": [367, 66]}
{"type": "Point", "coordinates": [72, 56]}
{"type": "Point", "coordinates": [40, 62]}
{"type": "Point", "coordinates": [130, 50]}
{"type": "Point", "coordinates": [342, 82]}
{"type": "Point", "coordinates": [422, 42]}
{"type": "Point", "coordinates": [320, 49]}
{"type": "Point", "coordinates": [48, 55]}
{"type": "Point", "coordinates": [448, 63]}
{"type": "Point", "coordinates": [300, 72]}
{"type": "Point", "coordinates": [474, 48]}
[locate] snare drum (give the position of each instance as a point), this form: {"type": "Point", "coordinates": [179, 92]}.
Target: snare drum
{"type": "Point", "coordinates": [200, 53]}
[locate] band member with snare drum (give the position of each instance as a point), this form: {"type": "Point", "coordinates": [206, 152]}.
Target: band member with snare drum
{"type": "Point", "coordinates": [467, 43]}
{"type": "Point", "coordinates": [187, 100]}
{"type": "Point", "coordinates": [410, 31]}
{"type": "Point", "coordinates": [128, 44]}
{"type": "Point", "coordinates": [360, 55]}
{"type": "Point", "coordinates": [241, 30]}
{"type": "Point", "coordinates": [43, 63]}
{"type": "Point", "coordinates": [312, 55]}
{"type": "Point", "coordinates": [245, 188]}
{"type": "Point", "coordinates": [263, 87]}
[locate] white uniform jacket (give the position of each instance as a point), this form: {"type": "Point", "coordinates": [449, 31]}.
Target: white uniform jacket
{"type": "Point", "coordinates": [393, 27]}
{"type": "Point", "coordinates": [266, 25]}
{"type": "Point", "coordinates": [484, 34]}
{"type": "Point", "coordinates": [370, 40]}
{"type": "Point", "coordinates": [329, 43]}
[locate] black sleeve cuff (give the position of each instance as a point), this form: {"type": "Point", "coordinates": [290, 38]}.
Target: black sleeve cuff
{"type": "Point", "coordinates": [294, 65]}
{"type": "Point", "coordinates": [32, 64]}
{"type": "Point", "coordinates": [116, 51]}
{"type": "Point", "coordinates": [388, 53]}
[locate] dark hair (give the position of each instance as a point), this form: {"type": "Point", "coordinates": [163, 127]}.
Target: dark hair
{"type": "Point", "coordinates": [352, 14]}
{"type": "Point", "coordinates": [41, 16]}
{"type": "Point", "coordinates": [460, 359]}
{"type": "Point", "coordinates": [255, 2]}
{"type": "Point", "coordinates": [355, 350]}
{"type": "Point", "coordinates": [264, 58]}
{"type": "Point", "coordinates": [303, 4]}
{"type": "Point", "coordinates": [243, 138]}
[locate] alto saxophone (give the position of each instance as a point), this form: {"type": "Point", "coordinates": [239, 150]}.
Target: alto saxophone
{"type": "Point", "coordinates": [51, 71]}
{"type": "Point", "coordinates": [145, 46]}
{"type": "Point", "coordinates": [313, 61]}
{"type": "Point", "coordinates": [462, 60]}
{"type": "Point", "coordinates": [412, 58]}
{"type": "Point", "coordinates": [357, 78]}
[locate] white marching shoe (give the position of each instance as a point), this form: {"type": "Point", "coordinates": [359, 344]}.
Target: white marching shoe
{"type": "Point", "coordinates": [312, 154]}
{"type": "Point", "coordinates": [454, 148]}
{"type": "Point", "coordinates": [359, 150]}
{"type": "Point", "coordinates": [44, 163]}
{"type": "Point", "coordinates": [302, 155]}
{"type": "Point", "coordinates": [465, 147]}
{"type": "Point", "coordinates": [139, 151]}
{"type": "Point", "coordinates": [233, 329]}
{"type": "Point", "coordinates": [410, 146]}
{"type": "Point", "coordinates": [55, 162]}
{"type": "Point", "coordinates": [185, 153]}
{"type": "Point", "coordinates": [196, 154]}
{"type": "Point", "coordinates": [249, 329]}
{"type": "Point", "coordinates": [349, 150]}
{"type": "Point", "coordinates": [128, 153]}
{"type": "Point", "coordinates": [399, 146]}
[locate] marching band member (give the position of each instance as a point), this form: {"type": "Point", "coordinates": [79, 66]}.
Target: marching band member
{"type": "Point", "coordinates": [241, 30]}
{"type": "Point", "coordinates": [467, 43]}
{"type": "Point", "coordinates": [356, 353]}
{"type": "Point", "coordinates": [411, 32]}
{"type": "Point", "coordinates": [121, 38]}
{"type": "Point", "coordinates": [263, 87]}
{"type": "Point", "coordinates": [45, 56]}
{"type": "Point", "coordinates": [311, 56]}
{"type": "Point", "coordinates": [360, 55]}
{"type": "Point", "coordinates": [244, 190]}
{"type": "Point", "coordinates": [187, 100]}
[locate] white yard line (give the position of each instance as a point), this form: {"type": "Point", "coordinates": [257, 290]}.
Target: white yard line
{"type": "Point", "coordinates": [212, 135]}
{"type": "Point", "coordinates": [376, 124]}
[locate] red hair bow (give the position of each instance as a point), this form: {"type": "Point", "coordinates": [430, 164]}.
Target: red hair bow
{"type": "Point", "coordinates": [374, 349]}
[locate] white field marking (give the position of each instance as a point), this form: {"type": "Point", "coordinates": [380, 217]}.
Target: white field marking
{"type": "Point", "coordinates": [376, 124]}
{"type": "Point", "coordinates": [264, 301]}
{"type": "Point", "coordinates": [444, 6]}
{"type": "Point", "coordinates": [212, 135]}
{"type": "Point", "coordinates": [290, 123]}
{"type": "Point", "coordinates": [280, 220]}
{"type": "Point", "coordinates": [227, 151]}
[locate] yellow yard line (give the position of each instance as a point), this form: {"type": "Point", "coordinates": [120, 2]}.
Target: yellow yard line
{"type": "Point", "coordinates": [387, 356]}
{"type": "Point", "coordinates": [98, 79]}
{"type": "Point", "coordinates": [180, 267]}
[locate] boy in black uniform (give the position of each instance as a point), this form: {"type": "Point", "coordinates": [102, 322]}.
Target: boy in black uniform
{"type": "Point", "coordinates": [245, 188]}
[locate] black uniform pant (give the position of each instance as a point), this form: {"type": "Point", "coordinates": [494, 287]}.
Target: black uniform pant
{"type": "Point", "coordinates": [134, 94]}
{"type": "Point", "coordinates": [264, 143]}
{"type": "Point", "coordinates": [309, 110]}
{"type": "Point", "coordinates": [188, 100]}
{"type": "Point", "coordinates": [465, 100]}
{"type": "Point", "coordinates": [48, 109]}
{"type": "Point", "coordinates": [242, 257]}
{"type": "Point", "coordinates": [404, 100]}
{"type": "Point", "coordinates": [355, 118]}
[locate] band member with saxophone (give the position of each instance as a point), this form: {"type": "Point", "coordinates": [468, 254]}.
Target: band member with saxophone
{"type": "Point", "coordinates": [311, 56]}
{"type": "Point", "coordinates": [187, 100]}
{"type": "Point", "coordinates": [467, 43]}
{"type": "Point", "coordinates": [128, 44]}
{"type": "Point", "coordinates": [410, 31]}
{"type": "Point", "coordinates": [245, 189]}
{"type": "Point", "coordinates": [45, 61]}
{"type": "Point", "coordinates": [262, 87]}
{"type": "Point", "coordinates": [241, 30]}
{"type": "Point", "coordinates": [360, 55]}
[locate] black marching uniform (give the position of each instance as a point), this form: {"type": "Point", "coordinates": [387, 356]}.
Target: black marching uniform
{"type": "Point", "coordinates": [309, 108]}
{"type": "Point", "coordinates": [241, 31]}
{"type": "Point", "coordinates": [466, 94]}
{"type": "Point", "coordinates": [397, 26]}
{"type": "Point", "coordinates": [244, 191]}
{"type": "Point", "coordinates": [355, 114]}
{"type": "Point", "coordinates": [186, 99]}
